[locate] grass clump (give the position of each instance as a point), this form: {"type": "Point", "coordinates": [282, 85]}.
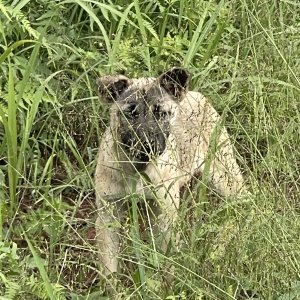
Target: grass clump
{"type": "Point", "coordinates": [243, 56]}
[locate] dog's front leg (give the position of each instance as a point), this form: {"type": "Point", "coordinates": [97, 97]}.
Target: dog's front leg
{"type": "Point", "coordinates": [166, 213]}
{"type": "Point", "coordinates": [108, 225]}
{"type": "Point", "coordinates": [107, 230]}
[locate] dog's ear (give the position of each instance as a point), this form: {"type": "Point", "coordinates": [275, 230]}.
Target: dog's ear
{"type": "Point", "coordinates": [175, 81]}
{"type": "Point", "coordinates": [110, 87]}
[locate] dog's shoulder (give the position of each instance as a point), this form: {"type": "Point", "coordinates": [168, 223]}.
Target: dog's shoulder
{"type": "Point", "coordinates": [196, 109]}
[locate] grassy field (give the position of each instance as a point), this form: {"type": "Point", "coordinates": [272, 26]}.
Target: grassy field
{"type": "Point", "coordinates": [243, 55]}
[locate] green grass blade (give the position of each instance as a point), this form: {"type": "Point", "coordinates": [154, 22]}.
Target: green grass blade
{"type": "Point", "coordinates": [212, 45]}
{"type": "Point", "coordinates": [21, 4]}
{"type": "Point", "coordinates": [29, 69]}
{"type": "Point", "coordinates": [2, 204]}
{"type": "Point", "coordinates": [12, 47]}
{"type": "Point", "coordinates": [28, 123]}
{"type": "Point", "coordinates": [162, 33]}
{"type": "Point", "coordinates": [113, 11]}
{"type": "Point", "coordinates": [11, 139]}
{"type": "Point", "coordinates": [201, 33]}
{"type": "Point", "coordinates": [116, 42]}
{"type": "Point", "coordinates": [96, 20]}
{"type": "Point", "coordinates": [194, 45]}
{"type": "Point", "coordinates": [42, 270]}
{"type": "Point", "coordinates": [136, 238]}
{"type": "Point", "coordinates": [143, 33]}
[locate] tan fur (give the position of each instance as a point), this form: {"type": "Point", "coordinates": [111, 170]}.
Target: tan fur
{"type": "Point", "coordinates": [195, 127]}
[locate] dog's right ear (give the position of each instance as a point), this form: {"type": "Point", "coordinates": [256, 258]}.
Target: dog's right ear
{"type": "Point", "coordinates": [175, 81]}
{"type": "Point", "coordinates": [110, 87]}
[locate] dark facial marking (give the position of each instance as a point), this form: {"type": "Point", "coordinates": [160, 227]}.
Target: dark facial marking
{"type": "Point", "coordinates": [144, 124]}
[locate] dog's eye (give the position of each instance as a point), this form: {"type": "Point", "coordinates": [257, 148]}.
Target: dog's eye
{"type": "Point", "coordinates": [158, 112]}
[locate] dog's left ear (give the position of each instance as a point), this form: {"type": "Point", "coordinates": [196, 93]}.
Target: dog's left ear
{"type": "Point", "coordinates": [175, 81]}
{"type": "Point", "coordinates": [110, 87]}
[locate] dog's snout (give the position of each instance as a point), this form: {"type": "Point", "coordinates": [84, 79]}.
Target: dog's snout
{"type": "Point", "coordinates": [145, 152]}
{"type": "Point", "coordinates": [144, 141]}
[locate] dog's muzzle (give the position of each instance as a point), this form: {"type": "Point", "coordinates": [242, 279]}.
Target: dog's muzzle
{"type": "Point", "coordinates": [141, 150]}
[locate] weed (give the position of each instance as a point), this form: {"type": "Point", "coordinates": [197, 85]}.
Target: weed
{"type": "Point", "coordinates": [243, 56]}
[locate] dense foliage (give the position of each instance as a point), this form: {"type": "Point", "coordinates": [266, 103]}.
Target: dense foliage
{"type": "Point", "coordinates": [243, 55]}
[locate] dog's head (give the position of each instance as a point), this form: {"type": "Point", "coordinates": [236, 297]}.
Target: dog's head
{"type": "Point", "coordinates": [143, 110]}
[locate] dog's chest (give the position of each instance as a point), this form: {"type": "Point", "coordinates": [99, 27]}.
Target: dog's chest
{"type": "Point", "coordinates": [162, 171]}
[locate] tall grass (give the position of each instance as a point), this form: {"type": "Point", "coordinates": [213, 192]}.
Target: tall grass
{"type": "Point", "coordinates": [243, 55]}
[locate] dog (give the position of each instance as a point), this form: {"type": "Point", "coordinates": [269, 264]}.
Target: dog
{"type": "Point", "coordinates": [159, 136]}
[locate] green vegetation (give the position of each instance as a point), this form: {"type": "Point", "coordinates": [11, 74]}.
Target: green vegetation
{"type": "Point", "coordinates": [244, 56]}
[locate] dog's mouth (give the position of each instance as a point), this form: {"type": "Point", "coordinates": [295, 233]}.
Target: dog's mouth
{"type": "Point", "coordinates": [145, 152]}
{"type": "Point", "coordinates": [141, 158]}
{"type": "Point", "coordinates": [141, 153]}
{"type": "Point", "coordinates": [144, 155]}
